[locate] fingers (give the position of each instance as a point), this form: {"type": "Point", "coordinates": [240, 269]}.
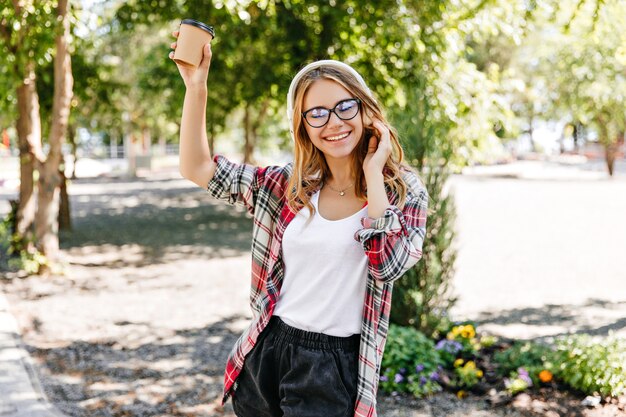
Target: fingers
{"type": "Point", "coordinates": [382, 129]}
{"type": "Point", "coordinates": [172, 46]}
{"type": "Point", "coordinates": [372, 144]}
{"type": "Point", "coordinates": [175, 34]}
{"type": "Point", "coordinates": [206, 57]}
{"type": "Point", "coordinates": [380, 126]}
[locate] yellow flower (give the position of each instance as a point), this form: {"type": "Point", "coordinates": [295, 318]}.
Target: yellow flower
{"type": "Point", "coordinates": [470, 365]}
{"type": "Point", "coordinates": [458, 362]}
{"type": "Point", "coordinates": [545, 376]}
{"type": "Point", "coordinates": [479, 373]}
{"type": "Point", "coordinates": [470, 329]}
{"type": "Point", "coordinates": [461, 394]}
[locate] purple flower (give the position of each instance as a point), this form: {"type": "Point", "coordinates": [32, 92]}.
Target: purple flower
{"type": "Point", "coordinates": [419, 368]}
{"type": "Point", "coordinates": [434, 376]}
{"type": "Point", "coordinates": [450, 346]}
{"type": "Point", "coordinates": [526, 379]}
{"type": "Point", "coordinates": [398, 378]}
{"type": "Point", "coordinates": [403, 371]}
{"type": "Point", "coordinates": [523, 375]}
{"type": "Point", "coordinates": [384, 378]}
{"type": "Point", "coordinates": [423, 380]}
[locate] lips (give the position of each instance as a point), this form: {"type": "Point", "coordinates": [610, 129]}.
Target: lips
{"type": "Point", "coordinates": [338, 137]}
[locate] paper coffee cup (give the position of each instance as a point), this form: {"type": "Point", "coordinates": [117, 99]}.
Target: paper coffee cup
{"type": "Point", "coordinates": [192, 37]}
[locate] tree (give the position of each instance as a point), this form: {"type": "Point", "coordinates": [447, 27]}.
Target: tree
{"type": "Point", "coordinates": [24, 43]}
{"type": "Point", "coordinates": [571, 67]}
{"type": "Point", "coordinates": [24, 46]}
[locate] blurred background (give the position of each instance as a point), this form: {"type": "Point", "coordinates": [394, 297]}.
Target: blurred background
{"type": "Point", "coordinates": [513, 111]}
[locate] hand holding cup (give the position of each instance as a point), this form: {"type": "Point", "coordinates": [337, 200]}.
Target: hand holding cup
{"type": "Point", "coordinates": [192, 52]}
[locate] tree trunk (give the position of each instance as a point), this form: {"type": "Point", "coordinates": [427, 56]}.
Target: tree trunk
{"type": "Point", "coordinates": [46, 219]}
{"type": "Point", "coordinates": [146, 141]}
{"type": "Point", "coordinates": [531, 133]}
{"type": "Point", "coordinates": [248, 147]}
{"type": "Point", "coordinates": [610, 152]}
{"type": "Point", "coordinates": [71, 134]}
{"type": "Point", "coordinates": [130, 154]}
{"type": "Point", "coordinates": [29, 139]}
{"type": "Point", "coordinates": [251, 127]}
{"type": "Point", "coordinates": [64, 205]}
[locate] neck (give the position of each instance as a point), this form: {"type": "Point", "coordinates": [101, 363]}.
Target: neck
{"type": "Point", "coordinates": [341, 173]}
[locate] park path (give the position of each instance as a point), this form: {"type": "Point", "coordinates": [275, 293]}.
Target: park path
{"type": "Point", "coordinates": [155, 298]}
{"type": "Point", "coordinates": [541, 256]}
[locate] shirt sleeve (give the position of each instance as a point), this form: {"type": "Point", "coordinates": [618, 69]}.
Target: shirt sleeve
{"type": "Point", "coordinates": [238, 183]}
{"type": "Point", "coordinates": [393, 242]}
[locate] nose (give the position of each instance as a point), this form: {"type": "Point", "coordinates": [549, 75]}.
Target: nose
{"type": "Point", "coordinates": [334, 120]}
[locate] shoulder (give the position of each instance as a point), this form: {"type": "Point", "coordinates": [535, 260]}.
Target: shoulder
{"type": "Point", "coordinates": [277, 173]}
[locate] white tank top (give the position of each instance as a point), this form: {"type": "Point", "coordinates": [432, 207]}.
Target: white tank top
{"type": "Point", "coordinates": [325, 274]}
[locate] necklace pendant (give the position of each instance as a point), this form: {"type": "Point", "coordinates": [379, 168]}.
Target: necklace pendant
{"type": "Point", "coordinates": [342, 193]}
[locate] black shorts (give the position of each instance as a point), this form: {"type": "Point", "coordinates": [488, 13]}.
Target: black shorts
{"type": "Point", "coordinates": [295, 373]}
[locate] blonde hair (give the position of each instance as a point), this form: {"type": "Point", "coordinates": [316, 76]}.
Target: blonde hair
{"type": "Point", "coordinates": [310, 168]}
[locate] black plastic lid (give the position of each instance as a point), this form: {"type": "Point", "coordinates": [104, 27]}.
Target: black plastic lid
{"type": "Point", "coordinates": [199, 25]}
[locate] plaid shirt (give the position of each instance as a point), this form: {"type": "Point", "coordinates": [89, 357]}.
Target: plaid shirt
{"type": "Point", "coordinates": [392, 243]}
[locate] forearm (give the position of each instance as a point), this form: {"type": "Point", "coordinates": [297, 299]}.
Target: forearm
{"type": "Point", "coordinates": [193, 148]}
{"type": "Point", "coordinates": [377, 200]}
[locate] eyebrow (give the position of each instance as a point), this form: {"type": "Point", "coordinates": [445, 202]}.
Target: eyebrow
{"type": "Point", "coordinates": [328, 108]}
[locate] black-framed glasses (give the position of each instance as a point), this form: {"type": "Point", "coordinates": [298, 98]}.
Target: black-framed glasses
{"type": "Point", "coordinates": [345, 110]}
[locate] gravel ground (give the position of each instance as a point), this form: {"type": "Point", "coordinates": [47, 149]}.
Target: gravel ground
{"type": "Point", "coordinates": [153, 299]}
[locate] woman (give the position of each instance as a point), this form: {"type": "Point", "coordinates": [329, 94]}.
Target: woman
{"type": "Point", "coordinates": [331, 233]}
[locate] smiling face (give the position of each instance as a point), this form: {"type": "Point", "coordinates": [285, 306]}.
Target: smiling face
{"type": "Point", "coordinates": [338, 138]}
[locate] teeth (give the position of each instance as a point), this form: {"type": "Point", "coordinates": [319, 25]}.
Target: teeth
{"type": "Point", "coordinates": [337, 137]}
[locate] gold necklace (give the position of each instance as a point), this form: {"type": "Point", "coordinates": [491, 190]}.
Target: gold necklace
{"type": "Point", "coordinates": [341, 192]}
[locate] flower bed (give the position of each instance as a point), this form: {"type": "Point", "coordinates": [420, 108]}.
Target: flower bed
{"type": "Point", "coordinates": [462, 362]}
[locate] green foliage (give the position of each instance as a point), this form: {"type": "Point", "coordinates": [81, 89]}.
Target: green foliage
{"type": "Point", "coordinates": [26, 38]}
{"type": "Point", "coordinates": [5, 242]}
{"type": "Point", "coordinates": [422, 296]}
{"type": "Point", "coordinates": [466, 374]}
{"type": "Point", "coordinates": [414, 364]}
{"type": "Point", "coordinates": [18, 253]}
{"type": "Point", "coordinates": [410, 363]}
{"type": "Point", "coordinates": [531, 356]}
{"type": "Point", "coordinates": [592, 366]}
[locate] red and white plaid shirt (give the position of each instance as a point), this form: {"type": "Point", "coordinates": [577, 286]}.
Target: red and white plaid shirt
{"type": "Point", "coordinates": [392, 243]}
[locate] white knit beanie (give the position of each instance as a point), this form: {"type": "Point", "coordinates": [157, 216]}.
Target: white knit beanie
{"type": "Point", "coordinates": [314, 65]}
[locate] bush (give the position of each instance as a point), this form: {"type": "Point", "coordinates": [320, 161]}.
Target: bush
{"type": "Point", "coordinates": [532, 357]}
{"type": "Point", "coordinates": [17, 253]}
{"type": "Point", "coordinates": [421, 299]}
{"type": "Point", "coordinates": [592, 366]}
{"type": "Point", "coordinates": [411, 363]}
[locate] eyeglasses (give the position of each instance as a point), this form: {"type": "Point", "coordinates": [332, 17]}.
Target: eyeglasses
{"type": "Point", "coordinates": [345, 110]}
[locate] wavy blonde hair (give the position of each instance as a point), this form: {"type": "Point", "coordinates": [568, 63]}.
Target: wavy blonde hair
{"type": "Point", "coordinates": [310, 168]}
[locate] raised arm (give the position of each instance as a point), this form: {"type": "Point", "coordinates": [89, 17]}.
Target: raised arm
{"type": "Point", "coordinates": [196, 162]}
